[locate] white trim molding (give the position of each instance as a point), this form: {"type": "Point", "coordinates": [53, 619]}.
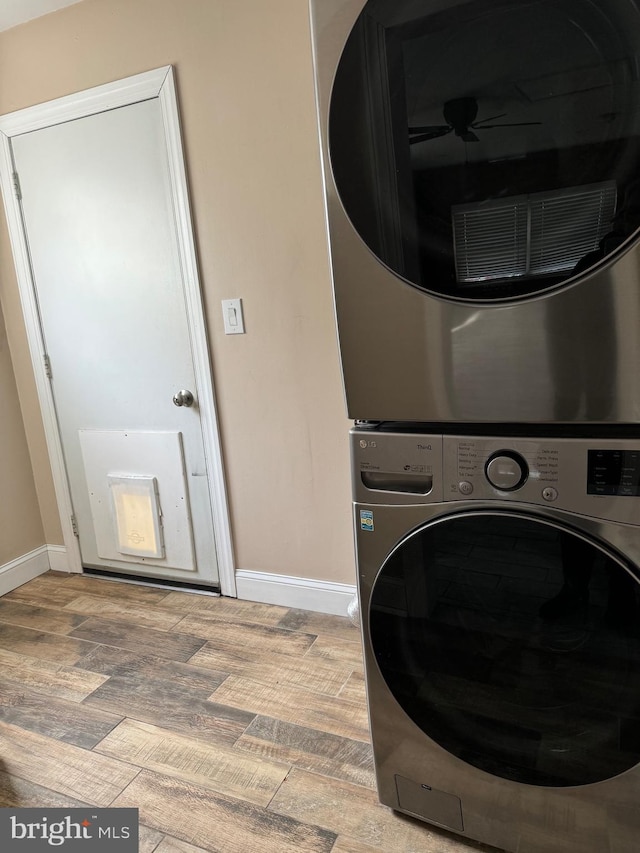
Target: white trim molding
{"type": "Point", "coordinates": [301, 593]}
{"type": "Point", "coordinates": [160, 84]}
{"type": "Point", "coordinates": [16, 572]}
{"type": "Point", "coordinates": [58, 559]}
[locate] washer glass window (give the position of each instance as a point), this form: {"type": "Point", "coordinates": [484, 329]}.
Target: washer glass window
{"type": "Point", "coordinates": [514, 644]}
{"type": "Point", "coordinates": [489, 149]}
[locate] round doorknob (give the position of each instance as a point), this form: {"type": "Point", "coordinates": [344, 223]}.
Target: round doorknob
{"type": "Point", "coordinates": [183, 398]}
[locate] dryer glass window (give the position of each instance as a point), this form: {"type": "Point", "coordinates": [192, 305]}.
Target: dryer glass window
{"type": "Point", "coordinates": [515, 645]}
{"type": "Point", "coordinates": [490, 149]}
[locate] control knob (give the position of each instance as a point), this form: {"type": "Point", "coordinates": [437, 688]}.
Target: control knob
{"type": "Point", "coordinates": [506, 470]}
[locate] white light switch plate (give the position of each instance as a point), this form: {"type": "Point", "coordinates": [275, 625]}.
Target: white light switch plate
{"type": "Point", "coordinates": [232, 316]}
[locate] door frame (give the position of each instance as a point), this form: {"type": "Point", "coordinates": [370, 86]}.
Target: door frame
{"type": "Point", "coordinates": [158, 83]}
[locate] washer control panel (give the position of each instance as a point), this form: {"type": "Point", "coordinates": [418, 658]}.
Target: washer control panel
{"type": "Point", "coordinates": [599, 478]}
{"type": "Point", "coordinates": [512, 469]}
{"type": "Point", "coordinates": [614, 472]}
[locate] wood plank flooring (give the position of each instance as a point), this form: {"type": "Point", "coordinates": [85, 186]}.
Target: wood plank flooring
{"type": "Point", "coordinates": [233, 727]}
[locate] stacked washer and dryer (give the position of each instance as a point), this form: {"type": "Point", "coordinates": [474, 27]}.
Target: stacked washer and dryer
{"type": "Point", "coordinates": [482, 172]}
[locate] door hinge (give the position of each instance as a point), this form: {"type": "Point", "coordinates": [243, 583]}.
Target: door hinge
{"type": "Point", "coordinates": [16, 186]}
{"type": "Point", "coordinates": [47, 365]}
{"type": "Point", "coordinates": [74, 527]}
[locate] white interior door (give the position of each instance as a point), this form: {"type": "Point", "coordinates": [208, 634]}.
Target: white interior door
{"type": "Point", "coordinates": [100, 225]}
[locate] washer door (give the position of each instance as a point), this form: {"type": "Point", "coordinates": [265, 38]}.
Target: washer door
{"type": "Point", "coordinates": [489, 150]}
{"type": "Point", "coordinates": [513, 643]}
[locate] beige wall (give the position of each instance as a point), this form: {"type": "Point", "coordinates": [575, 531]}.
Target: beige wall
{"type": "Point", "coordinates": [245, 88]}
{"type": "Point", "coordinates": [20, 525]}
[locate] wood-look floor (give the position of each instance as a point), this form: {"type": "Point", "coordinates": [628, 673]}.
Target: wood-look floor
{"type": "Point", "coordinates": [232, 726]}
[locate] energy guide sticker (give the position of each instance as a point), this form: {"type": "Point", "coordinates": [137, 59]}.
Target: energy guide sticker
{"type": "Point", "coordinates": [366, 519]}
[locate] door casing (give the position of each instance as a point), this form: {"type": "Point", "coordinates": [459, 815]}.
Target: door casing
{"type": "Point", "coordinates": [158, 83]}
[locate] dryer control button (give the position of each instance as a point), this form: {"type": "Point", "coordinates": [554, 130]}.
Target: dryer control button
{"type": "Point", "coordinates": [465, 487]}
{"type": "Point", "coordinates": [549, 494]}
{"type": "Point", "coordinates": [506, 471]}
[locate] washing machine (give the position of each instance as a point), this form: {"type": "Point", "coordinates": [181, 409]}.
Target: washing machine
{"type": "Point", "coordinates": [481, 166]}
{"type": "Point", "coordinates": [498, 584]}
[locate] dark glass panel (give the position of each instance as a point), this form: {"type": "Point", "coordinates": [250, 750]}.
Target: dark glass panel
{"type": "Point", "coordinates": [489, 149]}
{"type": "Point", "coordinates": [515, 646]}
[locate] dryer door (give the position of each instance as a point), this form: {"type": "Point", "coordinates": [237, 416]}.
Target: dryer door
{"type": "Point", "coordinates": [513, 643]}
{"type": "Point", "coordinates": [489, 150]}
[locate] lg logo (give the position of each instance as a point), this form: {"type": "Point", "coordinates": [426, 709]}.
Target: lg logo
{"type": "Point", "coordinates": [364, 444]}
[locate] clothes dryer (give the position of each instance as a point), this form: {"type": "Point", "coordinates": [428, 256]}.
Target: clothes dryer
{"type": "Point", "coordinates": [482, 173]}
{"type": "Point", "coordinates": [498, 581]}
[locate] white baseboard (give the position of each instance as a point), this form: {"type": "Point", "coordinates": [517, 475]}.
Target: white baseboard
{"type": "Point", "coordinates": [285, 590]}
{"type": "Point", "coordinates": [16, 572]}
{"type": "Point", "coordinates": [302, 593]}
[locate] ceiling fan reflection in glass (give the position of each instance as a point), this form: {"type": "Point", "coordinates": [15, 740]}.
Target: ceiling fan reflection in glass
{"type": "Point", "coordinates": [460, 116]}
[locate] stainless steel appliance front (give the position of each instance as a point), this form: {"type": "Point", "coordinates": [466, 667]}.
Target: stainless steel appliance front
{"type": "Point", "coordinates": [499, 593]}
{"type": "Point", "coordinates": [481, 165]}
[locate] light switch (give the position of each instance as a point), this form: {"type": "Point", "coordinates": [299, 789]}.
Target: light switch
{"type": "Point", "coordinates": [232, 316]}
